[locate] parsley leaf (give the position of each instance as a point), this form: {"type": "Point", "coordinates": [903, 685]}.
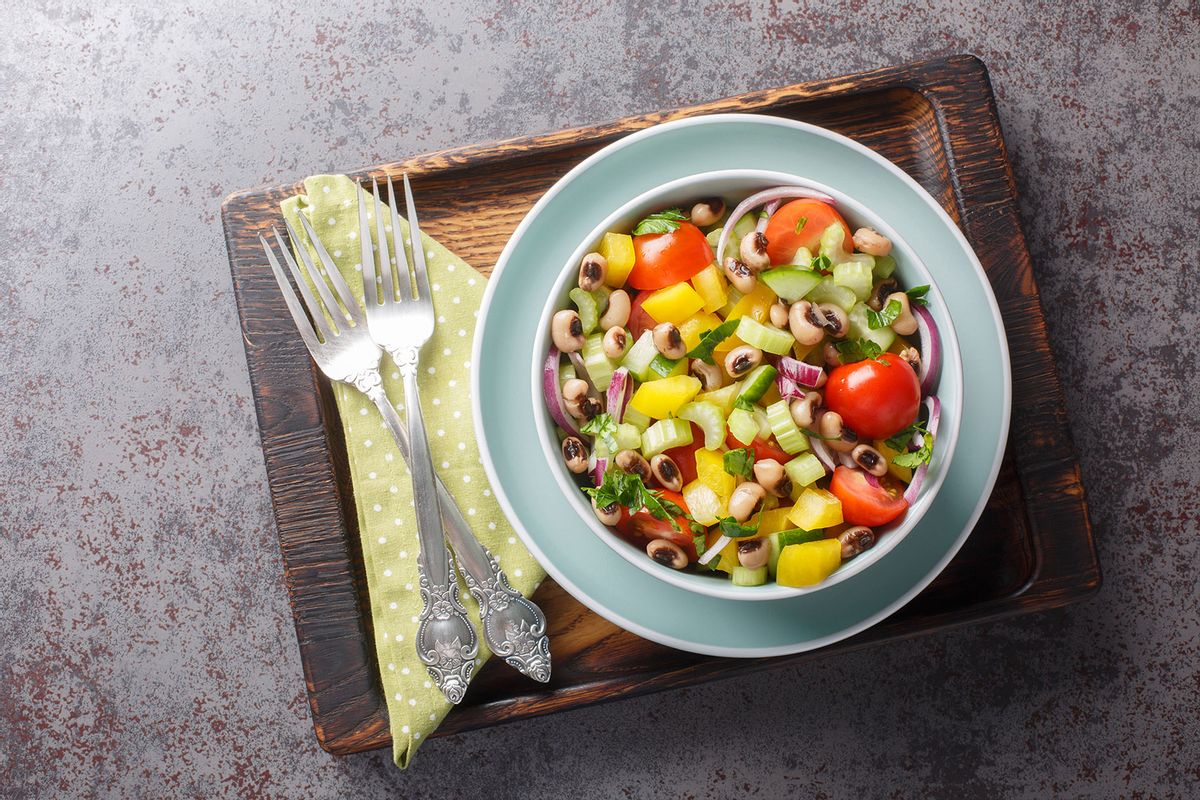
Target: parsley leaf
{"type": "Point", "coordinates": [660, 222]}
{"type": "Point", "coordinates": [881, 319]}
{"type": "Point", "coordinates": [800, 223]}
{"type": "Point", "coordinates": [626, 489]}
{"type": "Point", "coordinates": [740, 462]}
{"type": "Point", "coordinates": [900, 442]}
{"type": "Point", "coordinates": [735, 530]}
{"type": "Point", "coordinates": [852, 350]}
{"type": "Point", "coordinates": [917, 295]}
{"type": "Point", "coordinates": [710, 339]}
{"type": "Point", "coordinates": [604, 428]}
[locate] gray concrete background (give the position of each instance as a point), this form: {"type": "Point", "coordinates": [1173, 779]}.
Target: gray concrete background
{"type": "Point", "coordinates": [147, 643]}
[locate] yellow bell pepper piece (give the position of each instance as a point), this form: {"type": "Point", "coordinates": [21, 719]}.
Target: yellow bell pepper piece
{"type": "Point", "coordinates": [809, 563]}
{"type": "Point", "coordinates": [774, 520]}
{"type": "Point", "coordinates": [816, 509]}
{"type": "Point", "coordinates": [710, 470]}
{"type": "Point", "coordinates": [899, 472]}
{"type": "Point", "coordinates": [673, 304]}
{"type": "Point", "coordinates": [617, 249]}
{"type": "Point", "coordinates": [756, 305]}
{"type": "Point", "coordinates": [803, 351]}
{"type": "Point", "coordinates": [728, 558]}
{"type": "Point", "coordinates": [710, 284]}
{"type": "Point", "coordinates": [694, 326]}
{"type": "Point", "coordinates": [707, 507]}
{"type": "Point", "coordinates": [660, 399]}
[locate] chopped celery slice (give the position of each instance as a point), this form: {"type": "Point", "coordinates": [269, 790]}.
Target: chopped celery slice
{"type": "Point", "coordinates": [829, 292]}
{"type": "Point", "coordinates": [803, 257]}
{"type": "Point", "coordinates": [744, 576]}
{"type": "Point", "coordinates": [598, 365]}
{"type": "Point", "coordinates": [589, 309]}
{"type": "Point", "coordinates": [757, 383]}
{"type": "Point", "coordinates": [638, 359]}
{"type": "Point", "coordinates": [860, 328]}
{"type": "Point", "coordinates": [764, 425]}
{"type": "Point", "coordinates": [663, 367]}
{"type": "Point", "coordinates": [832, 239]}
{"type": "Point", "coordinates": [804, 470]}
{"type": "Point", "coordinates": [767, 338]}
{"type": "Point", "coordinates": [635, 418]}
{"type": "Point", "coordinates": [790, 439]}
{"type": "Point", "coordinates": [743, 425]}
{"type": "Point", "coordinates": [723, 397]}
{"type": "Point", "coordinates": [855, 276]}
{"type": "Point", "coordinates": [884, 266]}
{"type": "Point", "coordinates": [629, 437]}
{"type": "Point", "coordinates": [665, 434]}
{"type": "Point", "coordinates": [711, 419]}
{"type": "Point", "coordinates": [566, 371]}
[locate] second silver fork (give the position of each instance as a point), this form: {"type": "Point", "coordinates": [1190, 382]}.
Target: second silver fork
{"type": "Point", "coordinates": [399, 312]}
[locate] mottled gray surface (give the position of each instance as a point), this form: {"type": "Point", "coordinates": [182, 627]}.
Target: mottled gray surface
{"type": "Point", "coordinates": [147, 643]}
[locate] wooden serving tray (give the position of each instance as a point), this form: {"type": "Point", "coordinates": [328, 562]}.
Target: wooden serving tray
{"type": "Point", "coordinates": [1031, 550]}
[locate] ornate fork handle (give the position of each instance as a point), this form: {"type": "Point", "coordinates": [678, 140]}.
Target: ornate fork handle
{"type": "Point", "coordinates": [446, 640]}
{"type": "Point", "coordinates": [513, 626]}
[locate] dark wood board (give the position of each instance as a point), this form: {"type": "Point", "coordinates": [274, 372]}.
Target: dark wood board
{"type": "Point", "coordinates": [1031, 550]}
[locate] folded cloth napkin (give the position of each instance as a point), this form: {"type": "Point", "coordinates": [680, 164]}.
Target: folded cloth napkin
{"type": "Point", "coordinates": [380, 478]}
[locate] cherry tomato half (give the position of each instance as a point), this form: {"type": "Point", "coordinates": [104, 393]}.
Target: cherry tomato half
{"type": "Point", "coordinates": [877, 398]}
{"type": "Point", "coordinates": [762, 449]}
{"type": "Point", "coordinates": [639, 320]}
{"type": "Point", "coordinates": [661, 259]}
{"type": "Point", "coordinates": [643, 527]}
{"type": "Point", "coordinates": [864, 503]}
{"type": "Point", "coordinates": [783, 240]}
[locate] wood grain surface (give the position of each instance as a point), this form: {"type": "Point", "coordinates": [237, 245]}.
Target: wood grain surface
{"type": "Point", "coordinates": [1032, 549]}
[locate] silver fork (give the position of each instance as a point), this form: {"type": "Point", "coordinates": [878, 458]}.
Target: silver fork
{"type": "Point", "coordinates": [446, 641]}
{"type": "Point", "coordinates": [513, 626]}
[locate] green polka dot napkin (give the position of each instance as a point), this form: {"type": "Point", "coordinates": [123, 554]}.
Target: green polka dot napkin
{"type": "Point", "coordinates": [382, 486]}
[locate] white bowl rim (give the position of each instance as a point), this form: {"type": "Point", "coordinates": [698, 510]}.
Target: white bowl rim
{"type": "Point", "coordinates": [714, 586]}
{"type": "Point", "coordinates": [489, 464]}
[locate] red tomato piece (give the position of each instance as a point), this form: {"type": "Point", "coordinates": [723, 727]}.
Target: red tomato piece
{"type": "Point", "coordinates": [643, 527]}
{"type": "Point", "coordinates": [762, 450]}
{"type": "Point", "coordinates": [661, 259]}
{"type": "Point", "coordinates": [685, 456]}
{"type": "Point", "coordinates": [877, 398]}
{"type": "Point", "coordinates": [639, 320]}
{"type": "Point", "coordinates": [782, 238]}
{"type": "Point", "coordinates": [864, 503]}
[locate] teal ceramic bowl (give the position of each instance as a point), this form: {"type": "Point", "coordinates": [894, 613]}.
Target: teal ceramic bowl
{"type": "Point", "coordinates": [506, 408]}
{"type": "Point", "coordinates": [733, 185]}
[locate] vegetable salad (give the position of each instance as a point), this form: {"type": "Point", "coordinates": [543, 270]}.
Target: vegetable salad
{"type": "Point", "coordinates": [747, 393]}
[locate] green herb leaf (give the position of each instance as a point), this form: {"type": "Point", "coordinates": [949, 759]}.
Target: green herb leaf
{"type": "Point", "coordinates": [821, 262]}
{"type": "Point", "coordinates": [626, 489]}
{"type": "Point", "coordinates": [853, 350]}
{"type": "Point", "coordinates": [740, 462]}
{"type": "Point", "coordinates": [660, 222]}
{"type": "Point", "coordinates": [735, 530]}
{"type": "Point", "coordinates": [604, 428]}
{"type": "Point", "coordinates": [700, 541]}
{"type": "Point", "coordinates": [710, 339]}
{"type": "Point", "coordinates": [917, 295]}
{"type": "Point", "coordinates": [800, 223]}
{"type": "Point", "coordinates": [881, 319]}
{"type": "Point", "coordinates": [900, 441]}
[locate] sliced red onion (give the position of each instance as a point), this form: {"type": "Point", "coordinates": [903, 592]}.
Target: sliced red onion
{"type": "Point", "coordinates": [552, 393]}
{"type": "Point", "coordinates": [847, 461]}
{"type": "Point", "coordinates": [582, 373]}
{"type": "Point", "coordinates": [619, 392]}
{"type": "Point", "coordinates": [788, 388]}
{"type": "Point", "coordinates": [931, 349]}
{"type": "Point", "coordinates": [757, 199]}
{"type": "Point", "coordinates": [823, 454]}
{"type": "Point", "coordinates": [801, 372]}
{"type": "Point", "coordinates": [599, 470]}
{"type": "Point", "coordinates": [934, 406]}
{"type": "Point", "coordinates": [765, 217]}
{"type": "Point", "coordinates": [711, 552]}
{"type": "Point", "coordinates": [872, 480]}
